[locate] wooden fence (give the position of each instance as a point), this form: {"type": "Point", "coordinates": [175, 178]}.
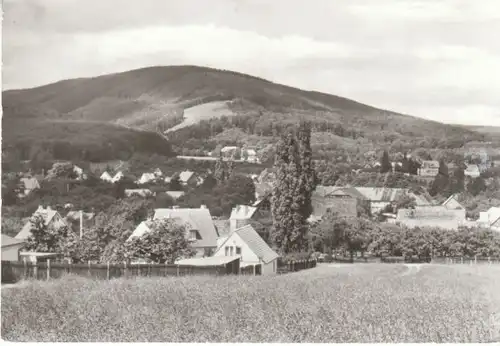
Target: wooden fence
{"type": "Point", "coordinates": [295, 266]}
{"type": "Point", "coordinates": [15, 271]}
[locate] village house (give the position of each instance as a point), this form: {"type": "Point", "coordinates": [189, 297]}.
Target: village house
{"type": "Point", "coordinates": [228, 152]}
{"type": "Point", "coordinates": [30, 184]}
{"type": "Point", "coordinates": [118, 176]}
{"type": "Point", "coordinates": [428, 168]}
{"type": "Point", "coordinates": [188, 178]}
{"type": "Point", "coordinates": [251, 156]}
{"type": "Point", "coordinates": [432, 216]}
{"type": "Point", "coordinates": [106, 177]}
{"type": "Point", "coordinates": [490, 219]}
{"type": "Point", "coordinates": [248, 244]}
{"type": "Point", "coordinates": [80, 175]}
{"type": "Point", "coordinates": [453, 203]}
{"type": "Point", "coordinates": [346, 201]}
{"type": "Point", "coordinates": [175, 195]}
{"type": "Point", "coordinates": [472, 171]}
{"type": "Point", "coordinates": [381, 197]}
{"type": "Point", "coordinates": [11, 248]}
{"type": "Point", "coordinates": [241, 216]}
{"type": "Point", "coordinates": [51, 217]}
{"type": "Point", "coordinates": [146, 178]}
{"type": "Point", "coordinates": [139, 192]}
{"type": "Point", "coordinates": [199, 227]}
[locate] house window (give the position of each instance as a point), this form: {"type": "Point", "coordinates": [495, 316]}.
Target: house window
{"type": "Point", "coordinates": [227, 250]}
{"type": "Point", "coordinates": [192, 235]}
{"type": "Point", "coordinates": [231, 251]}
{"type": "Point", "coordinates": [238, 250]}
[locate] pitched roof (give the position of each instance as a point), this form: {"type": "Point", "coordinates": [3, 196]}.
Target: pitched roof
{"type": "Point", "coordinates": [175, 194]}
{"type": "Point", "coordinates": [8, 241]}
{"type": "Point", "coordinates": [430, 164]}
{"type": "Point", "coordinates": [185, 176]}
{"type": "Point", "coordinates": [242, 212]}
{"type": "Point", "coordinates": [384, 194]}
{"type": "Point", "coordinates": [255, 242]}
{"type": "Point", "coordinates": [106, 176]}
{"type": "Point", "coordinates": [493, 215]}
{"type": "Point", "coordinates": [30, 183]}
{"type": "Point", "coordinates": [147, 177]}
{"type": "Point", "coordinates": [140, 192]}
{"type": "Point", "coordinates": [325, 191]}
{"type": "Point", "coordinates": [200, 220]}
{"type": "Point", "coordinates": [48, 214]}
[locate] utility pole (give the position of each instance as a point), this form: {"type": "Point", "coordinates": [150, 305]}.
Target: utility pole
{"type": "Point", "coordinates": [81, 224]}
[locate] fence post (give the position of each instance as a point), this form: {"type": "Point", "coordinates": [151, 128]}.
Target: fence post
{"type": "Point", "coordinates": [461, 260]}
{"type": "Point", "coordinates": [25, 268]}
{"type": "Point", "coordinates": [254, 270]}
{"type": "Point", "coordinates": [489, 260]}
{"type": "Point", "coordinates": [89, 271]}
{"type": "Point", "coordinates": [125, 270]}
{"type": "Point", "coordinates": [107, 272]}
{"type": "Point", "coordinates": [177, 270]}
{"type": "Point", "coordinates": [35, 270]}
{"type": "Point", "coordinates": [48, 269]}
{"type": "Point", "coordinates": [475, 259]}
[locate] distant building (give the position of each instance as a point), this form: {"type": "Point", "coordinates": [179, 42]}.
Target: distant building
{"type": "Point", "coordinates": [248, 244]}
{"type": "Point", "coordinates": [432, 216]}
{"type": "Point", "coordinates": [11, 248]}
{"type": "Point", "coordinates": [30, 185]}
{"type": "Point", "coordinates": [146, 178]}
{"type": "Point", "coordinates": [241, 216]}
{"type": "Point", "coordinates": [453, 203]}
{"type": "Point", "coordinates": [343, 200]}
{"type": "Point", "coordinates": [472, 171]}
{"type": "Point", "coordinates": [199, 227]}
{"type": "Point", "coordinates": [229, 151]}
{"type": "Point", "coordinates": [188, 178]}
{"type": "Point", "coordinates": [428, 168]}
{"type": "Point", "coordinates": [381, 197]}
{"type": "Point", "coordinates": [106, 177]}
{"type": "Point", "coordinates": [118, 176]}
{"type": "Point", "coordinates": [490, 219]}
{"type": "Point", "coordinates": [139, 192]}
{"type": "Point", "coordinates": [51, 217]}
{"type": "Point", "coordinates": [175, 195]}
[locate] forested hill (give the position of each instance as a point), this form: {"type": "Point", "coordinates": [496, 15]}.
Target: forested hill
{"type": "Point", "coordinates": [111, 116]}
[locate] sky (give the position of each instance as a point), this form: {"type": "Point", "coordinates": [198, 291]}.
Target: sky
{"type": "Point", "coordinates": [436, 59]}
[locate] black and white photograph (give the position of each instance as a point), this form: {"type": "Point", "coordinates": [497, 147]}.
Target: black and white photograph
{"type": "Point", "coordinates": [250, 171]}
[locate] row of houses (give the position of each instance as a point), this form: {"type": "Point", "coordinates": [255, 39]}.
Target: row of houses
{"type": "Point", "coordinates": [209, 239]}
{"type": "Point", "coordinates": [247, 154]}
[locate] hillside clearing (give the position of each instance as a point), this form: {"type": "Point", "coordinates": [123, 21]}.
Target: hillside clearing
{"type": "Point", "coordinates": [206, 111]}
{"type": "Point", "coordinates": [356, 303]}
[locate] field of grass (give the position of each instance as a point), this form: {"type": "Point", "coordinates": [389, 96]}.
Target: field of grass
{"type": "Point", "coordinates": [350, 303]}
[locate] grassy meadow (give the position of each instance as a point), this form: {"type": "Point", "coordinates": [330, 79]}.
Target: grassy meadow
{"type": "Point", "coordinates": [349, 303]}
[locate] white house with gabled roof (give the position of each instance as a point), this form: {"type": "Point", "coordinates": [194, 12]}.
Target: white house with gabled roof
{"type": "Point", "coordinates": [248, 244]}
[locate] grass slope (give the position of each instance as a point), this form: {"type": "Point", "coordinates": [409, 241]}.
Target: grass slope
{"type": "Point", "coordinates": [358, 303]}
{"type": "Point", "coordinates": [156, 97]}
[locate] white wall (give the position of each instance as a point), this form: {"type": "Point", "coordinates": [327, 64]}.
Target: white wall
{"type": "Point", "coordinates": [11, 253]}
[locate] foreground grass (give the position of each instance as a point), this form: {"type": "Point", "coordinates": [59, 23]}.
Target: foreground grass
{"type": "Point", "coordinates": [358, 303]}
